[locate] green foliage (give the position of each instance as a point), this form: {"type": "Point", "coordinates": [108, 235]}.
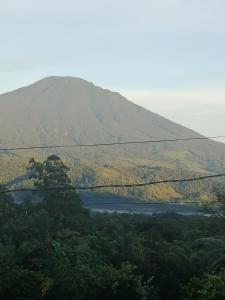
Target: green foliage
{"type": "Point", "coordinates": [65, 204]}
{"type": "Point", "coordinates": [53, 249]}
{"type": "Point", "coordinates": [50, 173]}
{"type": "Point", "coordinates": [125, 169]}
{"type": "Point", "coordinates": [209, 287]}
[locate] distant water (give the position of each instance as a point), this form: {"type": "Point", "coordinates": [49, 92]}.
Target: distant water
{"type": "Point", "coordinates": [147, 212]}
{"type": "Point", "coordinates": [97, 202]}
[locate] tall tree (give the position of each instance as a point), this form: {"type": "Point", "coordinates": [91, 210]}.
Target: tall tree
{"type": "Point", "coordinates": [55, 189]}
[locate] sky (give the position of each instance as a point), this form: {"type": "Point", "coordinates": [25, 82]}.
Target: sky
{"type": "Point", "coordinates": [166, 55]}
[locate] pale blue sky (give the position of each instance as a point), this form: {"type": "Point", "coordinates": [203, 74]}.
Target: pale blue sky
{"type": "Point", "coordinates": [166, 55]}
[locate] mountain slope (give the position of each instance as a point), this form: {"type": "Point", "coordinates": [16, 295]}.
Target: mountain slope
{"type": "Point", "coordinates": [67, 110]}
{"type": "Point", "coordinates": [71, 109]}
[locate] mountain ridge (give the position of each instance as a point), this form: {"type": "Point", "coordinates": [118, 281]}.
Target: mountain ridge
{"type": "Point", "coordinates": [70, 110]}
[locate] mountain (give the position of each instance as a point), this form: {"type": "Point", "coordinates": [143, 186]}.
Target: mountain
{"type": "Point", "coordinates": [68, 110]}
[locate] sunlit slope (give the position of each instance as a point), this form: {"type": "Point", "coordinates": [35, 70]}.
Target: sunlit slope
{"type": "Point", "coordinates": [67, 110]}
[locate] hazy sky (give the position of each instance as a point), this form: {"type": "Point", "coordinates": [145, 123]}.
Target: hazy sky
{"type": "Point", "coordinates": [168, 55]}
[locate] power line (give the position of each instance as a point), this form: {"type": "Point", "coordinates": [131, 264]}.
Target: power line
{"type": "Point", "coordinates": [96, 187]}
{"type": "Point", "coordinates": [110, 144]}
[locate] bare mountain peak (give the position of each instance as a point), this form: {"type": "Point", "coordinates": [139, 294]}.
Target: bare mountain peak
{"type": "Point", "coordinates": [64, 79]}
{"type": "Point", "coordinates": [70, 109]}
{"type": "Point", "coordinates": [60, 82]}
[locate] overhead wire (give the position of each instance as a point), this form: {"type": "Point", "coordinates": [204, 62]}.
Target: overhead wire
{"type": "Point", "coordinates": [109, 144]}
{"type": "Point", "coordinates": [96, 187]}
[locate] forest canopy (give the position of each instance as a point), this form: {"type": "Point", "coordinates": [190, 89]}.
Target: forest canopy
{"type": "Point", "coordinates": [56, 249]}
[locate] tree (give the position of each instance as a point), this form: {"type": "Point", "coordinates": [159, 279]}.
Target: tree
{"type": "Point", "coordinates": [56, 191]}
{"type": "Point", "coordinates": [50, 173]}
{"type": "Point", "coordinates": [209, 287]}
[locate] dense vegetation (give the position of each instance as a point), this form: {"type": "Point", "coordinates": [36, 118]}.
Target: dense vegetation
{"type": "Point", "coordinates": [55, 249]}
{"type": "Point", "coordinates": [96, 172]}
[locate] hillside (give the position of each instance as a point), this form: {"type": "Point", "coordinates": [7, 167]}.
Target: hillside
{"type": "Point", "coordinates": [67, 110]}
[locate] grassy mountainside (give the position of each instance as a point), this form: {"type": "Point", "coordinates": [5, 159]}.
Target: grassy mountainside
{"type": "Point", "coordinates": [87, 172]}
